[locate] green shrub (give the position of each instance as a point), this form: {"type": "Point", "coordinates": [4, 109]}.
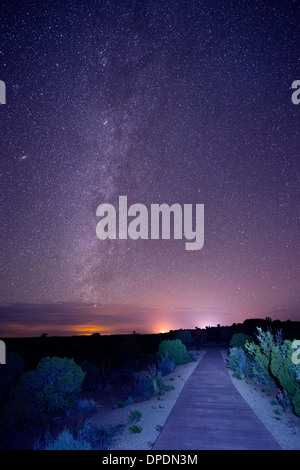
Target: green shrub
{"type": "Point", "coordinates": [128, 401]}
{"type": "Point", "coordinates": [168, 388]}
{"type": "Point", "coordinates": [87, 438]}
{"type": "Point", "coordinates": [260, 354]}
{"type": "Point", "coordinates": [166, 365]}
{"type": "Point", "coordinates": [192, 356]}
{"type": "Point", "coordinates": [269, 362]}
{"type": "Point", "coordinates": [157, 382]}
{"type": "Point", "coordinates": [135, 415]}
{"type": "Point", "coordinates": [239, 340]}
{"type": "Point", "coordinates": [52, 387]}
{"type": "Point", "coordinates": [283, 368]}
{"type": "Point", "coordinates": [146, 385]}
{"type": "Point", "coordinates": [239, 362]}
{"type": "Point", "coordinates": [135, 428]}
{"type": "Point", "coordinates": [118, 404]}
{"type": "Point", "coordinates": [175, 349]}
{"type": "Point", "coordinates": [123, 403]}
{"type": "Point", "coordinates": [99, 437]}
{"type": "Point", "coordinates": [66, 441]}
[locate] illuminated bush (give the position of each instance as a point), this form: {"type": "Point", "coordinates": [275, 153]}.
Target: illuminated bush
{"type": "Point", "coordinates": [135, 428]}
{"type": "Point", "coordinates": [175, 349]}
{"type": "Point", "coordinates": [269, 362]}
{"type": "Point", "coordinates": [99, 438]}
{"type": "Point", "coordinates": [261, 355]}
{"type": "Point", "coordinates": [239, 362]}
{"type": "Point", "coordinates": [166, 365]}
{"type": "Point", "coordinates": [287, 373]}
{"type": "Point", "coordinates": [147, 385]}
{"type": "Point", "coordinates": [66, 441]}
{"type": "Point", "coordinates": [52, 387]}
{"type": "Point", "coordinates": [88, 437]}
{"type": "Point", "coordinates": [135, 415]}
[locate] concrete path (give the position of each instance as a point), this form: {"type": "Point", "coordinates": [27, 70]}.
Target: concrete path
{"type": "Point", "coordinates": [211, 414]}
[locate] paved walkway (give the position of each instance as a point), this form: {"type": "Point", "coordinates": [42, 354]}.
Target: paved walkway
{"type": "Point", "coordinates": [211, 414]}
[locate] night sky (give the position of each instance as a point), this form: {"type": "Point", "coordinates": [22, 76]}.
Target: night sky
{"type": "Point", "coordinates": [168, 101]}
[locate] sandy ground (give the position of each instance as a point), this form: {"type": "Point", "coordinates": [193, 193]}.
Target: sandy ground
{"type": "Point", "coordinates": [283, 425]}
{"type": "Point", "coordinates": [154, 412]}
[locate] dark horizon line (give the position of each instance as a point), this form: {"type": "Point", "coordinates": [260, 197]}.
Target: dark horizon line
{"type": "Point", "coordinates": [135, 333]}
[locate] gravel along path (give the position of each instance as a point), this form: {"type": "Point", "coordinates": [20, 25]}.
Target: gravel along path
{"type": "Point", "coordinates": [283, 425]}
{"type": "Point", "coordinates": [154, 412]}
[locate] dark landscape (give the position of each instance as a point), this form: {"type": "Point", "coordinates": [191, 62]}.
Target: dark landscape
{"type": "Point", "coordinates": [111, 364]}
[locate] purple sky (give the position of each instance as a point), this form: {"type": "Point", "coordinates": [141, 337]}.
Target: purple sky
{"type": "Point", "coordinates": [164, 102]}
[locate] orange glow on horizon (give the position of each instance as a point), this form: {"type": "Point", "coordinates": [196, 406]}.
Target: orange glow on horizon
{"type": "Point", "coordinates": [89, 329]}
{"type": "Point", "coordinates": [161, 329]}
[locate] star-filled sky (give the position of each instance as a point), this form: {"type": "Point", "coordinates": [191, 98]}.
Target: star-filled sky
{"type": "Point", "coordinates": [168, 101]}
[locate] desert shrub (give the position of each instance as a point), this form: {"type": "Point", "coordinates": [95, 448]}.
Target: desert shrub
{"type": "Point", "coordinates": [260, 358]}
{"type": "Point", "coordinates": [135, 428]}
{"type": "Point", "coordinates": [150, 385]}
{"type": "Point", "coordinates": [118, 404]}
{"type": "Point", "coordinates": [146, 385]}
{"type": "Point", "coordinates": [135, 415]}
{"type": "Point", "coordinates": [269, 362]}
{"type": "Point", "coordinates": [66, 441]}
{"type": "Point", "coordinates": [286, 372]}
{"type": "Point", "coordinates": [175, 349]}
{"type": "Point", "coordinates": [87, 438]}
{"type": "Point", "coordinates": [52, 387]}
{"type": "Point", "coordinates": [10, 373]}
{"type": "Point", "coordinates": [166, 365]}
{"type": "Point", "coordinates": [157, 383]}
{"type": "Point", "coordinates": [192, 356]}
{"type": "Point", "coordinates": [57, 383]}
{"type": "Point", "coordinates": [239, 362]}
{"type": "Point", "coordinates": [123, 403]}
{"type": "Point", "coordinates": [185, 337]}
{"type": "Point", "coordinates": [99, 437]}
{"type": "Point", "coordinates": [239, 340]}
{"type": "Point", "coordinates": [141, 388]}
{"type": "Point", "coordinates": [265, 340]}
{"type": "Point", "coordinates": [168, 388]}
{"type": "Point", "coordinates": [284, 398]}
{"type": "Point", "coordinates": [128, 401]}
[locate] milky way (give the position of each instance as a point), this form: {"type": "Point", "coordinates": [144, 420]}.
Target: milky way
{"type": "Point", "coordinates": [165, 102]}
